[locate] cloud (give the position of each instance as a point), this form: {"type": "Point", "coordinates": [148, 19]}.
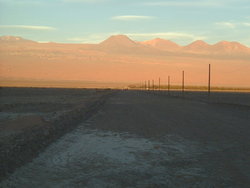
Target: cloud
{"type": "Point", "coordinates": [169, 35]}
{"type": "Point", "coordinates": [233, 25]}
{"type": "Point", "coordinates": [80, 39]}
{"type": "Point", "coordinates": [246, 24]}
{"type": "Point", "coordinates": [43, 41]}
{"type": "Point", "coordinates": [184, 3]}
{"type": "Point", "coordinates": [23, 2]}
{"type": "Point", "coordinates": [226, 24]}
{"type": "Point", "coordinates": [99, 37]}
{"type": "Point", "coordinates": [84, 1]}
{"type": "Point", "coordinates": [91, 38]}
{"type": "Point", "coordinates": [29, 27]}
{"type": "Point", "coordinates": [132, 18]}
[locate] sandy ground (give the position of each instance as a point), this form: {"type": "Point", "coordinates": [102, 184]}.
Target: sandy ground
{"type": "Point", "coordinates": [141, 139]}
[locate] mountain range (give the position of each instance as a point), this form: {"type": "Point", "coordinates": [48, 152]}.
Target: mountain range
{"type": "Point", "coordinates": [121, 43]}
{"type": "Point", "coordinates": [120, 59]}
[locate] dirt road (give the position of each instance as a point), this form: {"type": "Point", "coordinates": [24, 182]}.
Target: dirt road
{"type": "Point", "coordinates": [140, 139]}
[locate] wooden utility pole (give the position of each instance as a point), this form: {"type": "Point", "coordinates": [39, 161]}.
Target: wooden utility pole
{"type": "Point", "coordinates": [168, 84]}
{"type": "Point", "coordinates": [153, 85]}
{"type": "Point", "coordinates": [183, 80]}
{"type": "Point", "coordinates": [159, 83]}
{"type": "Point", "coordinates": [209, 79]}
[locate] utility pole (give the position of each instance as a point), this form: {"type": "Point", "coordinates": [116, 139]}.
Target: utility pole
{"type": "Point", "coordinates": [168, 84]}
{"type": "Point", "coordinates": [183, 79]}
{"type": "Point", "coordinates": [148, 84]}
{"type": "Point", "coordinates": [159, 83]}
{"type": "Point", "coordinates": [209, 79]}
{"type": "Point", "coordinates": [153, 84]}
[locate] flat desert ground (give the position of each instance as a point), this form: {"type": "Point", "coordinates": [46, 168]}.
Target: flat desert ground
{"type": "Point", "coordinates": [129, 139]}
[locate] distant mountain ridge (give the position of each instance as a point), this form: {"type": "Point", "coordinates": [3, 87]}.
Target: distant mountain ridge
{"type": "Point", "coordinates": [198, 46]}
{"type": "Point", "coordinates": [120, 59]}
{"type": "Point", "coordinates": [123, 44]}
{"type": "Point", "coordinates": [118, 40]}
{"type": "Point", "coordinates": [161, 44]}
{"type": "Point", "coordinates": [230, 46]}
{"type": "Point", "coordinates": [14, 39]}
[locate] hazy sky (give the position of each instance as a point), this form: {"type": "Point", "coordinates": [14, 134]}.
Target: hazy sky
{"type": "Point", "coordinates": [91, 21]}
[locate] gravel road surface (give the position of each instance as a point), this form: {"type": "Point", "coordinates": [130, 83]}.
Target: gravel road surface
{"type": "Point", "coordinates": [140, 139]}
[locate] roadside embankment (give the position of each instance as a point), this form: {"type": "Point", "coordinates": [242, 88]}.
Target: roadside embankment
{"type": "Point", "coordinates": [32, 118]}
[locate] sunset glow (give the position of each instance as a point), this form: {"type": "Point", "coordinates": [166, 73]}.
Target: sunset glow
{"type": "Point", "coordinates": [150, 39]}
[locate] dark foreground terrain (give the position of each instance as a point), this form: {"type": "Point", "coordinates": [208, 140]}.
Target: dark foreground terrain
{"type": "Point", "coordinates": [33, 118]}
{"type": "Point", "coordinates": [146, 139]}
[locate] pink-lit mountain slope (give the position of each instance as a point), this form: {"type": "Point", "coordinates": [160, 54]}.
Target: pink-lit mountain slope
{"type": "Point", "coordinates": [123, 44]}
{"type": "Point", "coordinates": [14, 40]}
{"type": "Point", "coordinates": [197, 46]}
{"type": "Point", "coordinates": [162, 44]}
{"type": "Point", "coordinates": [230, 47]}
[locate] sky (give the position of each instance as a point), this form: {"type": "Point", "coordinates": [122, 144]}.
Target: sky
{"type": "Point", "coordinates": [92, 21]}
